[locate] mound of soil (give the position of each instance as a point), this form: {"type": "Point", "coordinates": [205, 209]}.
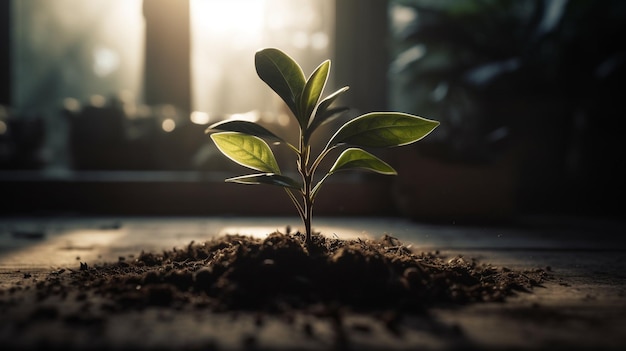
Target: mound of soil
{"type": "Point", "coordinates": [279, 273]}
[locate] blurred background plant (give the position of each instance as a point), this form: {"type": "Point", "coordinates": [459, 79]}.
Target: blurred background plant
{"type": "Point", "coordinates": [533, 81]}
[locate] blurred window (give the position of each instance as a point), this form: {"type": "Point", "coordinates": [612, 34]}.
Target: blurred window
{"type": "Point", "coordinates": [82, 68]}
{"type": "Point", "coordinates": [226, 34]}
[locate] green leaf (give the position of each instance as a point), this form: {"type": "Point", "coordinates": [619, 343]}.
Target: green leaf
{"type": "Point", "coordinates": [312, 92]}
{"type": "Point", "coordinates": [267, 178]}
{"type": "Point", "coordinates": [245, 127]}
{"type": "Point", "coordinates": [326, 117]}
{"type": "Point", "coordinates": [383, 129]}
{"type": "Point", "coordinates": [323, 112]}
{"type": "Point", "coordinates": [282, 74]}
{"type": "Point", "coordinates": [247, 150]}
{"type": "Point", "coordinates": [354, 158]}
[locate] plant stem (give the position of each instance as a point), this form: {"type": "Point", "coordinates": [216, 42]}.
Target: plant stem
{"type": "Point", "coordinates": [295, 202]}
{"type": "Point", "coordinates": [319, 158]}
{"type": "Point", "coordinates": [307, 221]}
{"type": "Point", "coordinates": [307, 179]}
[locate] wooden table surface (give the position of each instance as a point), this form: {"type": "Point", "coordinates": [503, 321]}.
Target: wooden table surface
{"type": "Point", "coordinates": [582, 306]}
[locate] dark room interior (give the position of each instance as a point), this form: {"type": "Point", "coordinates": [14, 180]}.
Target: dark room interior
{"type": "Point", "coordinates": [529, 105]}
{"type": "Point", "coordinates": [103, 154]}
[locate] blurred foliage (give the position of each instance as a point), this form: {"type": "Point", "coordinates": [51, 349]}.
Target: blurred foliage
{"type": "Point", "coordinates": [494, 71]}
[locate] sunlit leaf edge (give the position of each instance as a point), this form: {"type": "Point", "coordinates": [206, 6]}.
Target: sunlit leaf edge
{"type": "Point", "coordinates": [267, 178]}
{"type": "Point", "coordinates": [361, 125]}
{"type": "Point", "coordinates": [359, 159]}
{"type": "Point", "coordinates": [223, 141]}
{"type": "Point", "coordinates": [282, 74]}
{"type": "Point", "coordinates": [312, 92]}
{"type": "Point", "coordinates": [245, 127]}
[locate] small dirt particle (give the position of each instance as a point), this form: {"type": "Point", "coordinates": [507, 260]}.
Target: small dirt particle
{"type": "Point", "coordinates": [258, 320]}
{"type": "Point", "coordinates": [362, 328]}
{"type": "Point", "coordinates": [249, 342]}
{"type": "Point", "coordinates": [308, 329]}
{"type": "Point", "coordinates": [160, 295]}
{"type": "Point", "coordinates": [45, 313]}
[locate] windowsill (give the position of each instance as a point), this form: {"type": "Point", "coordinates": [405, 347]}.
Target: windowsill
{"type": "Point", "coordinates": [110, 176]}
{"type": "Point", "coordinates": [178, 193]}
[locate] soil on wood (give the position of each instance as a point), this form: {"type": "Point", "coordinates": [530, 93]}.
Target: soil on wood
{"type": "Point", "coordinates": [279, 274]}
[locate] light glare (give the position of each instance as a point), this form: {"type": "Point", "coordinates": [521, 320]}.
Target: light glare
{"type": "Point", "coordinates": [198, 117]}
{"type": "Point", "coordinates": [168, 125]}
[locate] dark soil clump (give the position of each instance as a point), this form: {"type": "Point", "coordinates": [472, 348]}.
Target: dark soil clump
{"type": "Point", "coordinates": [279, 274]}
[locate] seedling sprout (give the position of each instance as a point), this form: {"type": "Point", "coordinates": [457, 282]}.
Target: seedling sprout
{"type": "Point", "coordinates": [246, 143]}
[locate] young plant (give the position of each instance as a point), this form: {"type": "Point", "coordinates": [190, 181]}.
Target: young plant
{"type": "Point", "coordinates": [246, 142]}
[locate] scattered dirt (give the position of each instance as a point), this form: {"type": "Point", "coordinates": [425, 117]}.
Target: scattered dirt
{"type": "Point", "coordinates": [279, 273]}
{"type": "Point", "coordinates": [276, 275]}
